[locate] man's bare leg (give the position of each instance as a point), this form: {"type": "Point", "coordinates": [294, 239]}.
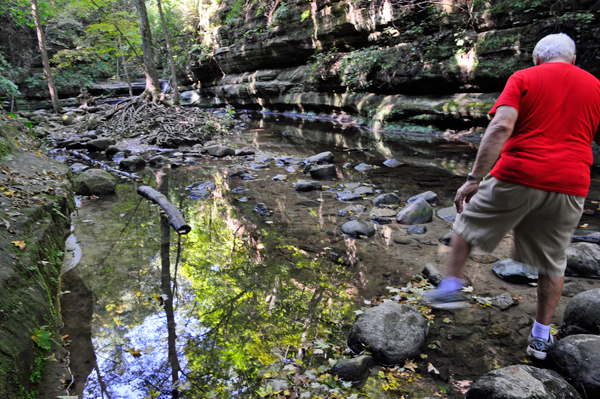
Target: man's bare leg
{"type": "Point", "coordinates": [549, 289]}
{"type": "Point", "coordinates": [461, 250]}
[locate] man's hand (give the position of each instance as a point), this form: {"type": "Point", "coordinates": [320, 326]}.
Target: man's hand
{"type": "Point", "coordinates": [464, 194]}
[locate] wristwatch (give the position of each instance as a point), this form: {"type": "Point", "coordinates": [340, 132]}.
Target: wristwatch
{"type": "Point", "coordinates": [472, 177]}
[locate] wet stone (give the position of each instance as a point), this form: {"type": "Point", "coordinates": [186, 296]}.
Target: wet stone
{"type": "Point", "coordinates": [417, 212]}
{"type": "Point", "coordinates": [392, 163]}
{"type": "Point", "coordinates": [386, 199]}
{"type": "Point", "coordinates": [156, 161]}
{"type": "Point", "coordinates": [521, 382]}
{"type": "Point", "coordinates": [363, 167]}
{"type": "Point", "coordinates": [592, 236]}
{"type": "Point", "coordinates": [355, 369]}
{"type": "Point", "coordinates": [323, 157]}
{"type": "Point", "coordinates": [243, 199]}
{"type": "Point", "coordinates": [111, 150]}
{"type": "Point", "coordinates": [402, 240]}
{"type": "Point", "coordinates": [504, 301]}
{"type": "Point", "coordinates": [352, 210]}
{"type": "Point", "coordinates": [417, 230]}
{"type": "Point", "coordinates": [244, 151]}
{"type": "Point", "coordinates": [132, 163]}
{"type": "Point", "coordinates": [199, 194]}
{"type": "Point", "coordinates": [515, 272]}
{"type": "Point", "coordinates": [358, 229]}
{"type": "Point", "coordinates": [119, 156]}
{"type": "Point", "coordinates": [576, 358]}
{"type": "Point", "coordinates": [262, 209]}
{"type": "Point", "coordinates": [428, 196]}
{"type": "Point", "coordinates": [74, 144]}
{"type": "Point", "coordinates": [95, 182]}
{"type": "Point", "coordinates": [78, 167]}
{"type": "Point", "coordinates": [393, 333]}
{"type": "Point", "coordinates": [306, 185]}
{"type": "Point", "coordinates": [433, 275]}
{"type": "Point", "coordinates": [259, 166]}
{"type": "Point", "coordinates": [238, 190]}
{"type": "Point", "coordinates": [582, 315]}
{"type": "Point", "coordinates": [485, 259]}
{"type": "Point", "coordinates": [280, 178]}
{"type": "Point", "coordinates": [99, 144]}
{"type": "Point", "coordinates": [202, 185]}
{"type": "Point", "coordinates": [363, 190]}
{"type": "Point", "coordinates": [323, 172]}
{"type": "Point", "coordinates": [448, 214]}
{"type": "Point", "coordinates": [220, 151]}
{"type": "Point", "coordinates": [287, 160]}
{"type": "Point", "coordinates": [583, 259]}
{"type": "Point", "coordinates": [348, 196]}
{"type": "Point", "coordinates": [241, 175]}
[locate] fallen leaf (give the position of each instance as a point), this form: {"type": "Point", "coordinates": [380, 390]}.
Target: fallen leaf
{"type": "Point", "coordinates": [19, 244]}
{"type": "Point", "coordinates": [431, 369]}
{"type": "Point", "coordinates": [410, 365]}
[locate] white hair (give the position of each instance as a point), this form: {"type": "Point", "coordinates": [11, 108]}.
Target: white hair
{"type": "Point", "coordinates": [553, 46]}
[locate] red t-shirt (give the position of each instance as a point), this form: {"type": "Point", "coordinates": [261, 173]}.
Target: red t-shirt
{"type": "Point", "coordinates": [559, 114]}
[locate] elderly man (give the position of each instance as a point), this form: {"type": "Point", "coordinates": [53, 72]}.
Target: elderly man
{"type": "Point", "coordinates": [542, 128]}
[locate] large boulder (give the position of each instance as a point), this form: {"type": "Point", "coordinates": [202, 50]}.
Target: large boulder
{"type": "Point", "coordinates": [521, 382]}
{"type": "Point", "coordinates": [95, 182]}
{"type": "Point", "coordinates": [515, 272]}
{"type": "Point", "coordinates": [393, 333]}
{"type": "Point", "coordinates": [576, 358]}
{"type": "Point", "coordinates": [582, 315]}
{"type": "Point", "coordinates": [386, 199]}
{"type": "Point", "coordinates": [417, 212]}
{"type": "Point", "coordinates": [428, 196]}
{"type": "Point", "coordinates": [583, 259]}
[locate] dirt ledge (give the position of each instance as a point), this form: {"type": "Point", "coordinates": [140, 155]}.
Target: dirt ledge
{"type": "Point", "coordinates": [35, 203]}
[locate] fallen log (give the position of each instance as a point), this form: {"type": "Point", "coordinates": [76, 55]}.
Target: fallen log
{"type": "Point", "coordinates": [104, 166]}
{"type": "Point", "coordinates": [176, 219]}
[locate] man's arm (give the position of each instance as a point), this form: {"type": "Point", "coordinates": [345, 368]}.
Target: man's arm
{"type": "Point", "coordinates": [496, 135]}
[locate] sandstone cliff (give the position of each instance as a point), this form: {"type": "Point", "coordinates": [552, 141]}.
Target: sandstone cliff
{"type": "Point", "coordinates": [401, 64]}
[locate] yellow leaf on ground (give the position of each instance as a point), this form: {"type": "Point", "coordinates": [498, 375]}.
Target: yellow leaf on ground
{"type": "Point", "coordinates": [19, 244]}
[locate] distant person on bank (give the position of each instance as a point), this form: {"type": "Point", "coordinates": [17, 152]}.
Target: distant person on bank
{"type": "Point", "coordinates": [541, 133]}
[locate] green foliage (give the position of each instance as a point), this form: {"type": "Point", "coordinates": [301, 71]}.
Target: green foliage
{"type": "Point", "coordinates": [42, 337]}
{"type": "Point", "coordinates": [305, 14]}
{"type": "Point", "coordinates": [7, 87]}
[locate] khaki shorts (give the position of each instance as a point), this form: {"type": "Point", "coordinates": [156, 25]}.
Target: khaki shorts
{"type": "Point", "coordinates": [543, 222]}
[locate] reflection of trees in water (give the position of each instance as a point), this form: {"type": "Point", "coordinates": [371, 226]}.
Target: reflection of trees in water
{"type": "Point", "coordinates": [241, 305]}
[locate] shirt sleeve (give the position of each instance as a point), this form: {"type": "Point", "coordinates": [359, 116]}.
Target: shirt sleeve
{"type": "Point", "coordinates": [511, 95]}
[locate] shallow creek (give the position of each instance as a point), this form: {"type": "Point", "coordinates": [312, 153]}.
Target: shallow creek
{"type": "Point", "coordinates": [253, 291]}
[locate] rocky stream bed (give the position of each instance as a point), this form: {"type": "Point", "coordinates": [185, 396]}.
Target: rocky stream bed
{"type": "Point", "coordinates": [304, 254]}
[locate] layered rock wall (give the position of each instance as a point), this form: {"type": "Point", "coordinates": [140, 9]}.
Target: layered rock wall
{"type": "Point", "coordinates": [400, 63]}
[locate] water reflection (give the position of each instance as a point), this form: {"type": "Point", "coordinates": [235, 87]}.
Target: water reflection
{"type": "Point", "coordinates": [247, 297]}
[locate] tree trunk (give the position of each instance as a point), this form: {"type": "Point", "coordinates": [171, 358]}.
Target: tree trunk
{"type": "Point", "coordinates": [42, 43]}
{"type": "Point", "coordinates": [169, 54]}
{"type": "Point", "coordinates": [125, 69]}
{"type": "Point", "coordinates": [152, 85]}
{"type": "Point", "coordinates": [165, 246]}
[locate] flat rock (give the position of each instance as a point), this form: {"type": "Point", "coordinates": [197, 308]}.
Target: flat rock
{"type": "Point", "coordinates": [386, 199]}
{"type": "Point", "coordinates": [515, 272]}
{"type": "Point", "coordinates": [363, 167]}
{"type": "Point", "coordinates": [521, 382]}
{"type": "Point", "coordinates": [352, 210]}
{"type": "Point", "coordinates": [363, 190]}
{"type": "Point", "coordinates": [417, 230]}
{"type": "Point", "coordinates": [259, 166]}
{"type": "Point", "coordinates": [393, 333]}
{"type": "Point", "coordinates": [486, 259]}
{"type": "Point", "coordinates": [392, 163]}
{"type": "Point", "coordinates": [576, 358]}
{"type": "Point", "coordinates": [504, 301]}
{"type": "Point", "coordinates": [111, 150]}
{"type": "Point", "coordinates": [95, 182]}
{"type": "Point", "coordinates": [78, 167]}
{"type": "Point", "coordinates": [582, 315]}
{"type": "Point", "coordinates": [428, 196]}
{"type": "Point", "coordinates": [244, 151]}
{"type": "Point", "coordinates": [280, 178]}
{"type": "Point", "coordinates": [287, 160]}
{"type": "Point", "coordinates": [307, 185]}
{"type": "Point", "coordinates": [323, 172]}
{"type": "Point", "coordinates": [220, 151]}
{"type": "Point", "coordinates": [348, 196]}
{"type": "Point", "coordinates": [241, 175]}
{"type": "Point", "coordinates": [323, 157]}
{"type": "Point", "coordinates": [417, 212]}
{"type": "Point", "coordinates": [358, 229]}
{"type": "Point", "coordinates": [448, 214]}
